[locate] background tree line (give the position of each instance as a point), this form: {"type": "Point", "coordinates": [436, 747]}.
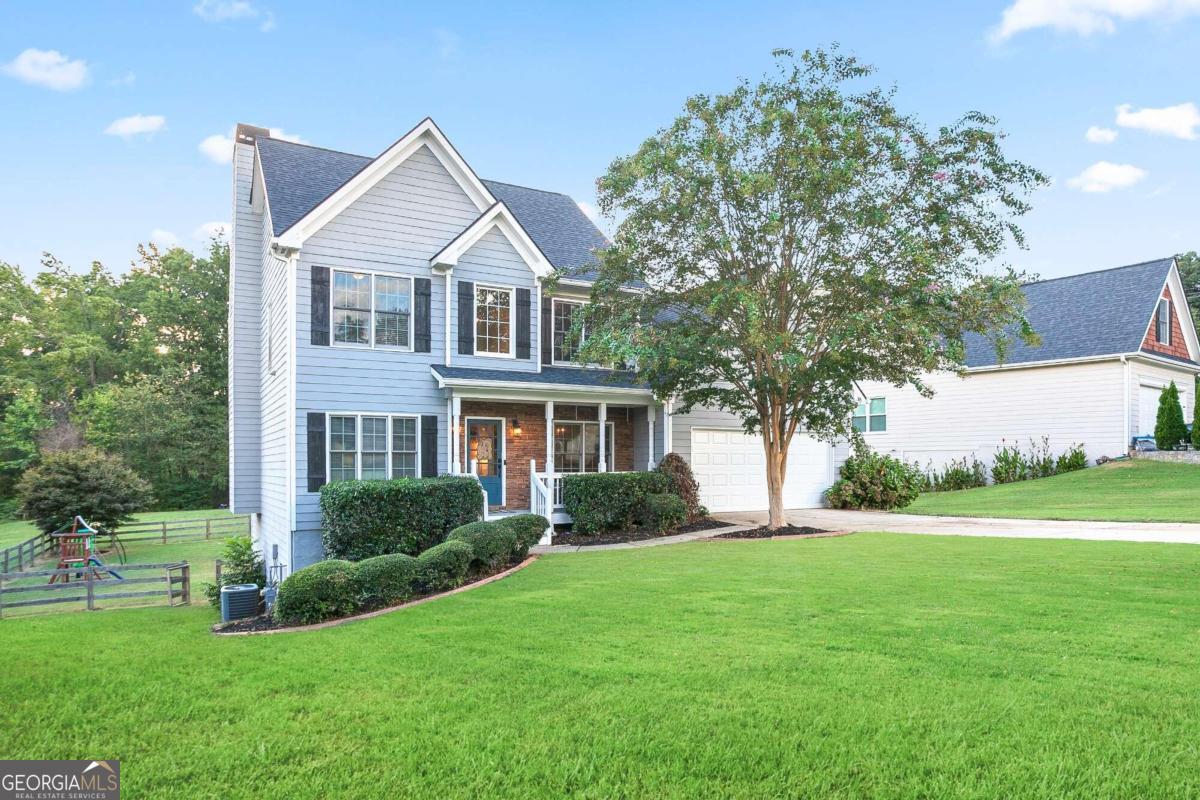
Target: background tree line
{"type": "Point", "coordinates": [132, 364]}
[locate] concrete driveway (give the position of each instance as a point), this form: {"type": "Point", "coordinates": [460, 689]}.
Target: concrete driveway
{"type": "Point", "coordinates": [1178, 532]}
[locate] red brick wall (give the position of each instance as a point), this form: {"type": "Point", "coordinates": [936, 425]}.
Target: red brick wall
{"type": "Point", "coordinates": [531, 443]}
{"type": "Point", "coordinates": [1178, 346]}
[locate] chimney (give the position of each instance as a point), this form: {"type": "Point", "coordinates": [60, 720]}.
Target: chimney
{"type": "Point", "coordinates": [246, 134]}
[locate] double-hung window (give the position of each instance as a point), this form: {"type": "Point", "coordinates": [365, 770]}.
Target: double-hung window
{"type": "Point", "coordinates": [577, 447]}
{"type": "Point", "coordinates": [870, 416]}
{"type": "Point", "coordinates": [493, 321]}
{"type": "Point", "coordinates": [1162, 322]}
{"type": "Point", "coordinates": [372, 447]}
{"type": "Point", "coordinates": [566, 340]}
{"type": "Point", "coordinates": [372, 310]}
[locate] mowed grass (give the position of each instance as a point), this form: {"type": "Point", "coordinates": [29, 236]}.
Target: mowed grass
{"type": "Point", "coordinates": [15, 531]}
{"type": "Point", "coordinates": [1125, 491]}
{"type": "Point", "coordinates": [873, 665]}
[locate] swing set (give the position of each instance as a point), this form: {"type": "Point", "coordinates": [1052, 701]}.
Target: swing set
{"type": "Point", "coordinates": [77, 551]}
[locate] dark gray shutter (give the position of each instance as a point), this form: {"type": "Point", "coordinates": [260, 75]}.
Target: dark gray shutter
{"type": "Point", "coordinates": [319, 305]}
{"type": "Point", "coordinates": [429, 446]}
{"type": "Point", "coordinates": [316, 451]}
{"type": "Point", "coordinates": [523, 323]}
{"type": "Point", "coordinates": [466, 318]}
{"type": "Point", "coordinates": [547, 330]}
{"type": "Point", "coordinates": [421, 313]}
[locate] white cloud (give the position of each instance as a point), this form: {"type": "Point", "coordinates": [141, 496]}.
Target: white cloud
{"type": "Point", "coordinates": [1097, 135]}
{"type": "Point", "coordinates": [1104, 176]}
{"type": "Point", "coordinates": [218, 148]}
{"type": "Point", "coordinates": [1179, 121]}
{"type": "Point", "coordinates": [138, 124]}
{"type": "Point", "coordinates": [48, 68]}
{"type": "Point", "coordinates": [1085, 17]}
{"type": "Point", "coordinates": [234, 10]}
{"type": "Point", "coordinates": [210, 230]}
{"type": "Point", "coordinates": [163, 238]}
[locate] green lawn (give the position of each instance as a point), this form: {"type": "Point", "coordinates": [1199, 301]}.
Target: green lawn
{"type": "Point", "coordinates": [16, 531]}
{"type": "Point", "coordinates": [873, 665]}
{"type": "Point", "coordinates": [1125, 491]}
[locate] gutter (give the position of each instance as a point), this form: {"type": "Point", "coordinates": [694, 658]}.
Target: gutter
{"type": "Point", "coordinates": [1139, 354]}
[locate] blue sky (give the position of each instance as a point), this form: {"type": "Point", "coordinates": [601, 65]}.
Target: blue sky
{"type": "Point", "coordinates": [547, 94]}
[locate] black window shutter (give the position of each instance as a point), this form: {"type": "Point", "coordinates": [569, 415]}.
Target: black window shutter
{"type": "Point", "coordinates": [429, 446]}
{"type": "Point", "coordinates": [523, 323]}
{"type": "Point", "coordinates": [466, 318]}
{"type": "Point", "coordinates": [422, 288]}
{"type": "Point", "coordinates": [319, 299]}
{"type": "Point", "coordinates": [316, 451]}
{"type": "Point", "coordinates": [547, 330]}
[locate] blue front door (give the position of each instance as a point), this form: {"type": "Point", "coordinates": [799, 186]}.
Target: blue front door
{"type": "Point", "coordinates": [485, 449]}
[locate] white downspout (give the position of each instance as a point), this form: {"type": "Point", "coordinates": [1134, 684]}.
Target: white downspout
{"type": "Point", "coordinates": [1125, 430]}
{"type": "Point", "coordinates": [447, 323]}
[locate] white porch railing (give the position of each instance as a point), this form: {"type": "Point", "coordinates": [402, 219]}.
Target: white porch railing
{"type": "Point", "coordinates": [542, 498]}
{"type": "Point", "coordinates": [474, 473]}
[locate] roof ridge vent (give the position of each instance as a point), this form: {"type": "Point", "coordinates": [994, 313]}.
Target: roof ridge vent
{"type": "Point", "coordinates": [248, 134]}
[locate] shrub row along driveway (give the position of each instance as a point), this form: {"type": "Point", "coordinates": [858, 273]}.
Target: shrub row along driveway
{"type": "Point", "coordinates": [867, 665]}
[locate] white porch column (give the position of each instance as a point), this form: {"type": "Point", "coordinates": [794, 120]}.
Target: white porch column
{"type": "Point", "coordinates": [549, 436]}
{"type": "Point", "coordinates": [455, 426]}
{"type": "Point", "coordinates": [602, 465]}
{"type": "Point", "coordinates": [650, 435]}
{"type": "Point", "coordinates": [668, 425]}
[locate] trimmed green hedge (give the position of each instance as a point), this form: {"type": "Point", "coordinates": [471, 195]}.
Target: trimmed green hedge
{"type": "Point", "coordinates": [325, 590]}
{"type": "Point", "coordinates": [386, 580]}
{"type": "Point", "coordinates": [528, 528]}
{"type": "Point", "coordinates": [663, 512]}
{"type": "Point", "coordinates": [444, 566]}
{"type": "Point", "coordinates": [362, 519]}
{"type": "Point", "coordinates": [492, 543]}
{"type": "Point", "coordinates": [609, 501]}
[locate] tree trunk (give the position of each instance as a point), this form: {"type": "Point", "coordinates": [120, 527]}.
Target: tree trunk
{"type": "Point", "coordinates": [776, 471]}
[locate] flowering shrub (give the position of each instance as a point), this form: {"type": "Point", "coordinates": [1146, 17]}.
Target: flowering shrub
{"type": "Point", "coordinates": [874, 480]}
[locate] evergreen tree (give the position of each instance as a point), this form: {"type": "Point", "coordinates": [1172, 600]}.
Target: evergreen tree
{"type": "Point", "coordinates": [1169, 429]}
{"type": "Point", "coordinates": [1196, 418]}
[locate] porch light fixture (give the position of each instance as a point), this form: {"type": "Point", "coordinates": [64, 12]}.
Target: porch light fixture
{"type": "Point", "coordinates": [516, 426]}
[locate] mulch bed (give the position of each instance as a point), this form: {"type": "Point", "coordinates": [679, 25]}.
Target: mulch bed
{"type": "Point", "coordinates": [767, 533]}
{"type": "Point", "coordinates": [621, 537]}
{"type": "Point", "coordinates": [249, 625]}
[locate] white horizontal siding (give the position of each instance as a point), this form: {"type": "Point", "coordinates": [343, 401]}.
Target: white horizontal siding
{"type": "Point", "coordinates": [1159, 377]}
{"type": "Point", "coordinates": [494, 261]}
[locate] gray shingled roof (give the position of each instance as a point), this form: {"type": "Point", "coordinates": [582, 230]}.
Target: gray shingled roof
{"type": "Point", "coordinates": [1093, 314]}
{"type": "Point", "coordinates": [558, 376]}
{"type": "Point", "coordinates": [298, 177]}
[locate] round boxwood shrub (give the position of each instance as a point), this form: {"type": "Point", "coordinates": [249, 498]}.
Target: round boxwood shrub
{"type": "Point", "coordinates": [874, 480]}
{"type": "Point", "coordinates": [682, 482]}
{"type": "Point", "coordinates": [386, 580]}
{"type": "Point", "coordinates": [528, 528]}
{"type": "Point", "coordinates": [663, 512]}
{"type": "Point", "coordinates": [325, 590]}
{"type": "Point", "coordinates": [444, 566]}
{"type": "Point", "coordinates": [86, 482]}
{"type": "Point", "coordinates": [492, 544]}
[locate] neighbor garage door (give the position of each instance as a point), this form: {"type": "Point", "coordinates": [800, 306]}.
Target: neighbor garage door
{"type": "Point", "coordinates": [1147, 409]}
{"type": "Point", "coordinates": [731, 469]}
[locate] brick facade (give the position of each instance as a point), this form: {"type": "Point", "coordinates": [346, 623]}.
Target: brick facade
{"type": "Point", "coordinates": [531, 442]}
{"type": "Point", "coordinates": [1178, 345]}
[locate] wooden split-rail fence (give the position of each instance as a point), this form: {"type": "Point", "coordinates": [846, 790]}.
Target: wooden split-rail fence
{"type": "Point", "coordinates": [91, 585]}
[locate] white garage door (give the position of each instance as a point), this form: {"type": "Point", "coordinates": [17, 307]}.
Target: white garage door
{"type": "Point", "coordinates": [731, 469]}
{"type": "Point", "coordinates": [1147, 409]}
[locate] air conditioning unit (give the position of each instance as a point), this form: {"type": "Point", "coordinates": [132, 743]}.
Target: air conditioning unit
{"type": "Point", "coordinates": [239, 601]}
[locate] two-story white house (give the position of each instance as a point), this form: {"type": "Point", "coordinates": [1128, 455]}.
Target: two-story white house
{"type": "Point", "coordinates": [388, 317]}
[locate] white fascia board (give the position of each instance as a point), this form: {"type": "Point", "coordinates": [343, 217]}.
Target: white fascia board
{"type": "Point", "coordinates": [497, 216]}
{"type": "Point", "coordinates": [1180, 306]}
{"type": "Point", "coordinates": [1152, 358]}
{"type": "Point", "coordinates": [1059, 362]}
{"type": "Point", "coordinates": [426, 133]}
{"type": "Point", "coordinates": [535, 390]}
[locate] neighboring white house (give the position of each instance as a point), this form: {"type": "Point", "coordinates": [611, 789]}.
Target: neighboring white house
{"type": "Point", "coordinates": [388, 318]}
{"type": "Point", "coordinates": [1112, 340]}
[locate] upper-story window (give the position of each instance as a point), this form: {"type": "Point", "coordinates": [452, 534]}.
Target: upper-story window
{"type": "Point", "coordinates": [493, 321]}
{"type": "Point", "coordinates": [1162, 322]}
{"type": "Point", "coordinates": [372, 310]}
{"type": "Point", "coordinates": [870, 416]}
{"type": "Point", "coordinates": [566, 341]}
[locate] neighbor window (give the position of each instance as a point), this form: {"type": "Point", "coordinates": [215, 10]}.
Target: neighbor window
{"type": "Point", "coordinates": [372, 447]}
{"type": "Point", "coordinates": [566, 342]}
{"type": "Point", "coordinates": [372, 310]}
{"type": "Point", "coordinates": [577, 447]}
{"type": "Point", "coordinates": [870, 416]}
{"type": "Point", "coordinates": [493, 321]}
{"type": "Point", "coordinates": [1162, 320]}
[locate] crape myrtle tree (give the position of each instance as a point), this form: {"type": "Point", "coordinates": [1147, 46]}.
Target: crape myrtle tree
{"type": "Point", "coordinates": [798, 235]}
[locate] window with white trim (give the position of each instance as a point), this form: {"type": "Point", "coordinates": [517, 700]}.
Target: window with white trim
{"type": "Point", "coordinates": [372, 310]}
{"type": "Point", "coordinates": [373, 447]}
{"type": "Point", "coordinates": [870, 416]}
{"type": "Point", "coordinates": [566, 341]}
{"type": "Point", "coordinates": [577, 447]}
{"type": "Point", "coordinates": [493, 321]}
{"type": "Point", "coordinates": [1162, 322]}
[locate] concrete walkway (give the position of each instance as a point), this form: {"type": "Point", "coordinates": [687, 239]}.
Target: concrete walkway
{"type": "Point", "coordinates": [1177, 532]}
